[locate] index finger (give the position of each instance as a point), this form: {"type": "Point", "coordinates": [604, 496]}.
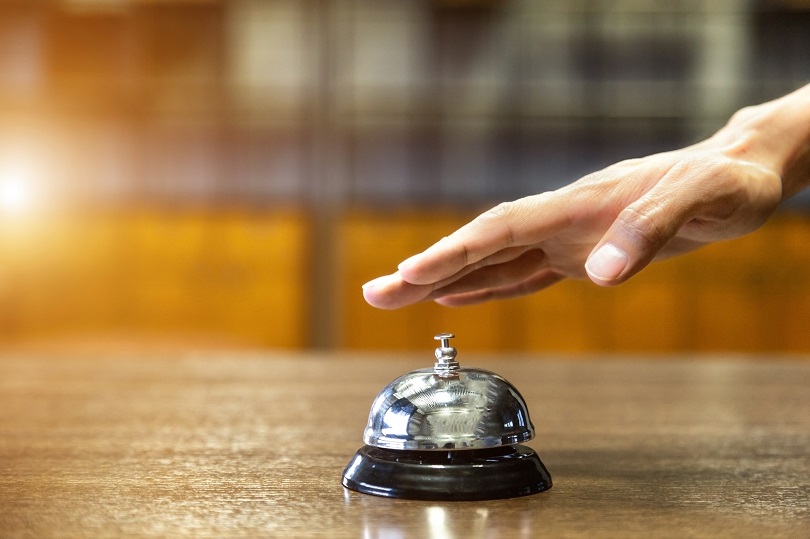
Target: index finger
{"type": "Point", "coordinates": [525, 221]}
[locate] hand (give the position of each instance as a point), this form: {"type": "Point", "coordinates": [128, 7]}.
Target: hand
{"type": "Point", "coordinates": [610, 224]}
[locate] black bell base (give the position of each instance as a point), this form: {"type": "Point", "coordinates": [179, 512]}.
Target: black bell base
{"type": "Point", "coordinates": [471, 474]}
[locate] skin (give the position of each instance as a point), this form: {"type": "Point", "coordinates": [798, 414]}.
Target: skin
{"type": "Point", "coordinates": [609, 225]}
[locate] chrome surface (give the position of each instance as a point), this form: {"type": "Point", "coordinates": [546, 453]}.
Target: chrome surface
{"type": "Point", "coordinates": [448, 407]}
{"type": "Point", "coordinates": [446, 363]}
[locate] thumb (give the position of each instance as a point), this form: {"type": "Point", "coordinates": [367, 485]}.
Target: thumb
{"type": "Point", "coordinates": [639, 232]}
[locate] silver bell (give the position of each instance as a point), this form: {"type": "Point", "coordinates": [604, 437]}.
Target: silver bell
{"type": "Point", "coordinates": [448, 433]}
{"type": "Point", "coordinates": [448, 407]}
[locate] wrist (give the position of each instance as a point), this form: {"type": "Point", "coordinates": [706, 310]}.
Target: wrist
{"type": "Point", "coordinates": [774, 135]}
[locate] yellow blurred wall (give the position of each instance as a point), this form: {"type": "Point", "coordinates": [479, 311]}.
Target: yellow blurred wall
{"type": "Point", "coordinates": [205, 276]}
{"type": "Point", "coordinates": [242, 278]}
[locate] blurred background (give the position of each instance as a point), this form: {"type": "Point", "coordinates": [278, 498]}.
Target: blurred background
{"type": "Point", "coordinates": [203, 173]}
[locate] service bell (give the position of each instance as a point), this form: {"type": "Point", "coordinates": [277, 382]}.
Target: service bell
{"type": "Point", "coordinates": [448, 433]}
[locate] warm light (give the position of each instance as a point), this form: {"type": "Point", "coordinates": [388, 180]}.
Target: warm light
{"type": "Point", "coordinates": [16, 188]}
{"type": "Point", "coordinates": [15, 194]}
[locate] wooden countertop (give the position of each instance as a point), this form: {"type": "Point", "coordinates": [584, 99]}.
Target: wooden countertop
{"type": "Point", "coordinates": [217, 445]}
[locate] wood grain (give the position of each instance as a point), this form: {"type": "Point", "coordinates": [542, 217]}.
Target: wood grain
{"type": "Point", "coordinates": [254, 445]}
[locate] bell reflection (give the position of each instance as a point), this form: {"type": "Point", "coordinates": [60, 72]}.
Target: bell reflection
{"type": "Point", "coordinates": [437, 522]}
{"type": "Point", "coordinates": [387, 532]}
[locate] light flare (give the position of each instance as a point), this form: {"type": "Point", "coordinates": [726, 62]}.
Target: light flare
{"type": "Point", "coordinates": [18, 187]}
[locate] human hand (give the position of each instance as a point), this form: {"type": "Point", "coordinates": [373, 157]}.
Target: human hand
{"type": "Point", "coordinates": [610, 224]}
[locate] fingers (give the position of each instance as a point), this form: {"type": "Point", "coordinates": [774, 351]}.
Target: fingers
{"type": "Point", "coordinates": [495, 276]}
{"type": "Point", "coordinates": [647, 225]}
{"type": "Point", "coordinates": [632, 241]}
{"type": "Point", "coordinates": [539, 281]}
{"type": "Point", "coordinates": [391, 292]}
{"type": "Point", "coordinates": [523, 222]}
{"type": "Point", "coordinates": [503, 269]}
{"type": "Point", "coordinates": [501, 257]}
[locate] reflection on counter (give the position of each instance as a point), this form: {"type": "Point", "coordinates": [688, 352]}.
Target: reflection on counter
{"type": "Point", "coordinates": [449, 520]}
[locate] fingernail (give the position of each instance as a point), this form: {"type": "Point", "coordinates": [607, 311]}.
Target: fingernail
{"type": "Point", "coordinates": [407, 262]}
{"type": "Point", "coordinates": [379, 281]}
{"type": "Point", "coordinates": [607, 263]}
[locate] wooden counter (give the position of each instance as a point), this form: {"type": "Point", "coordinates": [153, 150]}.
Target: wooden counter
{"type": "Point", "coordinates": [251, 445]}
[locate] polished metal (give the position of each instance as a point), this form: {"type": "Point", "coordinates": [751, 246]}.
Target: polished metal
{"type": "Point", "coordinates": [448, 407]}
{"type": "Point", "coordinates": [446, 364]}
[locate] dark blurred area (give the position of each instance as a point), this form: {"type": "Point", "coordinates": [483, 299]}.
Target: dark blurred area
{"type": "Point", "coordinates": [229, 172]}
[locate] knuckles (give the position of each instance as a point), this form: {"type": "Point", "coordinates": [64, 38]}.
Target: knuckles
{"type": "Point", "coordinates": [645, 224]}
{"type": "Point", "coordinates": [501, 211]}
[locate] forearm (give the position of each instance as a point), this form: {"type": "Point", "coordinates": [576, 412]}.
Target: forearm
{"type": "Point", "coordinates": [775, 135]}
